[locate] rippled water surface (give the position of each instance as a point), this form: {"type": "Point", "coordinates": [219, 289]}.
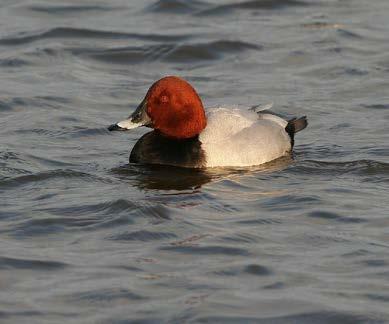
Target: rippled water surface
{"type": "Point", "coordinates": [87, 238]}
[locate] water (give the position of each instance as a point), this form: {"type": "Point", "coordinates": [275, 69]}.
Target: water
{"type": "Point", "coordinates": [87, 238]}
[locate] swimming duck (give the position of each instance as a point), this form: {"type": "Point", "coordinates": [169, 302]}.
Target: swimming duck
{"type": "Point", "coordinates": [184, 135]}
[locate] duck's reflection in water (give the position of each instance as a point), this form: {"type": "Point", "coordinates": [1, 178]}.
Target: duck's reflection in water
{"type": "Point", "coordinates": [163, 177]}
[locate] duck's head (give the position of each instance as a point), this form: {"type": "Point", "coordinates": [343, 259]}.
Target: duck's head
{"type": "Point", "coordinates": [172, 107]}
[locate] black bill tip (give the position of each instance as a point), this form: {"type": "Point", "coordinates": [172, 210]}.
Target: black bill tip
{"type": "Point", "coordinates": [115, 127]}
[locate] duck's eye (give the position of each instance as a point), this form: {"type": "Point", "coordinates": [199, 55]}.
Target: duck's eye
{"type": "Point", "coordinates": [164, 99]}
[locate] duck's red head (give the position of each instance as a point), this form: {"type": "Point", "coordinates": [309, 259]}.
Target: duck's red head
{"type": "Point", "coordinates": [175, 108]}
{"type": "Point", "coordinates": [171, 106]}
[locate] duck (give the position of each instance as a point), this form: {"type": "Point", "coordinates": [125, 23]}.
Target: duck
{"type": "Point", "coordinates": [184, 135]}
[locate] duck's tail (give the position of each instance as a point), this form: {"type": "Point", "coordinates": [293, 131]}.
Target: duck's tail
{"type": "Point", "coordinates": [295, 125]}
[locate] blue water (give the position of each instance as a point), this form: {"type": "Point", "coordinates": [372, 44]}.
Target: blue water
{"type": "Point", "coordinates": [87, 238]}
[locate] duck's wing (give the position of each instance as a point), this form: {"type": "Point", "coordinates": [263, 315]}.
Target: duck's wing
{"type": "Point", "coordinates": [274, 118]}
{"type": "Point", "coordinates": [291, 126]}
{"type": "Point", "coordinates": [262, 107]}
{"type": "Point", "coordinates": [263, 112]}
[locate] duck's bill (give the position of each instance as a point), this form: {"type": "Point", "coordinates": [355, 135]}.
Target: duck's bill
{"type": "Point", "coordinates": [124, 125]}
{"type": "Point", "coordinates": [137, 119]}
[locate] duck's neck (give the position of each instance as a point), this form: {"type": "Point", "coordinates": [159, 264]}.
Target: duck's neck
{"type": "Point", "coordinates": [154, 148]}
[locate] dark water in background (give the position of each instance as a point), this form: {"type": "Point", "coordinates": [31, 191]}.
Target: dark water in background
{"type": "Point", "coordinates": [86, 238]}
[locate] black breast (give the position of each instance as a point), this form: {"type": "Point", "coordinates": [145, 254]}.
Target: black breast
{"type": "Point", "coordinates": [153, 148]}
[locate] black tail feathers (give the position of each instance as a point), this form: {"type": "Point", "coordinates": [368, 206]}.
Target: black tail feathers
{"type": "Point", "coordinates": [295, 125]}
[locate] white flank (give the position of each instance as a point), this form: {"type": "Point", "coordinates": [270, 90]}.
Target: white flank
{"type": "Point", "coordinates": [235, 137]}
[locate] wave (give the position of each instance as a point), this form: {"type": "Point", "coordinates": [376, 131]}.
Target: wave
{"type": "Point", "coordinates": [303, 318]}
{"type": "Point", "coordinates": [76, 9]}
{"type": "Point", "coordinates": [66, 132]}
{"type": "Point", "coordinates": [101, 296]}
{"type": "Point", "coordinates": [349, 34]}
{"type": "Point", "coordinates": [143, 236]}
{"type": "Point", "coordinates": [206, 250]}
{"type": "Point", "coordinates": [13, 263]}
{"type": "Point", "coordinates": [377, 106]}
{"type": "Point", "coordinates": [9, 103]}
{"type": "Point", "coordinates": [114, 207]}
{"type": "Point", "coordinates": [331, 216]}
{"type": "Point", "coordinates": [35, 101]}
{"type": "Point", "coordinates": [290, 202]}
{"type": "Point", "coordinates": [251, 269]}
{"type": "Point", "coordinates": [330, 72]}
{"type": "Point", "coordinates": [92, 217]}
{"type": "Point", "coordinates": [12, 163]}
{"type": "Point", "coordinates": [70, 218]}
{"type": "Point", "coordinates": [45, 175]}
{"type": "Point", "coordinates": [74, 33]}
{"type": "Point", "coordinates": [124, 55]}
{"type": "Point", "coordinates": [13, 62]}
{"type": "Point", "coordinates": [182, 53]}
{"type": "Point", "coordinates": [208, 51]}
{"type": "Point", "coordinates": [176, 6]}
{"type": "Point", "coordinates": [250, 5]}
{"type": "Point", "coordinates": [360, 167]}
